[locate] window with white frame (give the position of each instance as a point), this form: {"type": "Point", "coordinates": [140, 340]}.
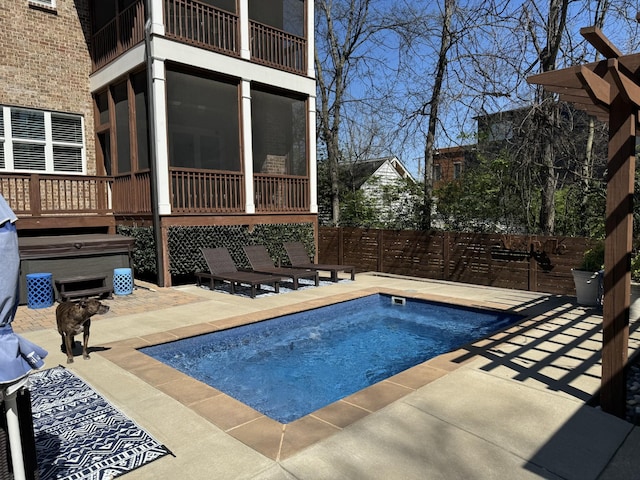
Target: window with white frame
{"type": "Point", "coordinates": [48, 4]}
{"type": "Point", "coordinates": [41, 141]}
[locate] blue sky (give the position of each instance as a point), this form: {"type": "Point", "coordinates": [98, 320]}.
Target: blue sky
{"type": "Point", "coordinates": [466, 79]}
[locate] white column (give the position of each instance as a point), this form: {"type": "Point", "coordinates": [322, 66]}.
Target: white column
{"type": "Point", "coordinates": [247, 145]}
{"type": "Point", "coordinates": [157, 21]}
{"type": "Point", "coordinates": [160, 129]}
{"type": "Point", "coordinates": [310, 39]}
{"type": "Point", "coordinates": [243, 14]}
{"type": "Point", "coordinates": [313, 166]}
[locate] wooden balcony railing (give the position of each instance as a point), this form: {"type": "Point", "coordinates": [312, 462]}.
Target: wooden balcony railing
{"type": "Point", "coordinates": [132, 193]}
{"type": "Point", "coordinates": [119, 35]}
{"type": "Point", "coordinates": [37, 195]}
{"type": "Point", "coordinates": [278, 49]}
{"type": "Point", "coordinates": [202, 25]}
{"type": "Point", "coordinates": [206, 191]}
{"type": "Point", "coordinates": [193, 191]}
{"type": "Point", "coordinates": [281, 193]}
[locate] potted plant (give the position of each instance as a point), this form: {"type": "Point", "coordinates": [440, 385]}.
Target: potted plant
{"type": "Point", "coordinates": [587, 277]}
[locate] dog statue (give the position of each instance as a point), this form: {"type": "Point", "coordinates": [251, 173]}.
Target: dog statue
{"type": "Point", "coordinates": [73, 318]}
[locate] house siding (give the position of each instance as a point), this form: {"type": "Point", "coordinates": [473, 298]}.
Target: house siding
{"type": "Point", "coordinates": [385, 175]}
{"type": "Point", "coordinates": [45, 61]}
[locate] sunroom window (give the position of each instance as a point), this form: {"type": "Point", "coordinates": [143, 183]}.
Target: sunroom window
{"type": "Point", "coordinates": [279, 126]}
{"type": "Point", "coordinates": [202, 122]}
{"type": "Point", "coordinates": [40, 141]}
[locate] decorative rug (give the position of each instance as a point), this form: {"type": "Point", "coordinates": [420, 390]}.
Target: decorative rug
{"type": "Point", "coordinates": [79, 435]}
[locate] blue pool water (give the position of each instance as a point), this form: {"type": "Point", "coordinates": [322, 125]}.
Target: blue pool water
{"type": "Point", "coordinates": [290, 366]}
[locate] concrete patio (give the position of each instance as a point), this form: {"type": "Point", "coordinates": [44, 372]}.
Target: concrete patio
{"type": "Point", "coordinates": [512, 406]}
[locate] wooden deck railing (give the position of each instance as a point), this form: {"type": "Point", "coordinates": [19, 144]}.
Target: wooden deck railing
{"type": "Point", "coordinates": [119, 35]}
{"type": "Point", "coordinates": [281, 193]}
{"type": "Point", "coordinates": [37, 195]}
{"type": "Point", "coordinates": [206, 191]}
{"type": "Point", "coordinates": [278, 49]}
{"type": "Point", "coordinates": [193, 191]}
{"type": "Point", "coordinates": [202, 25]}
{"type": "Point", "coordinates": [132, 193]}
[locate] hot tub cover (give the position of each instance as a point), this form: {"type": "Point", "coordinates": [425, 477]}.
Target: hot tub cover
{"type": "Point", "coordinates": [18, 356]}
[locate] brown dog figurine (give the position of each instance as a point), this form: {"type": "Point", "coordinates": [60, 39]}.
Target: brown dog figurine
{"type": "Point", "coordinates": [73, 318]}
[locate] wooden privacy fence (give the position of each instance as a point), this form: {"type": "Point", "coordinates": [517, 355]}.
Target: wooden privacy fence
{"type": "Point", "coordinates": [526, 262]}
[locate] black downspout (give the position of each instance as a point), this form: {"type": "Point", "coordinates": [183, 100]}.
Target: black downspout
{"type": "Point", "coordinates": [157, 233]}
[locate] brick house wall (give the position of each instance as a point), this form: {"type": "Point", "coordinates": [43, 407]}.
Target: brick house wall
{"type": "Point", "coordinates": [446, 160]}
{"type": "Point", "coordinates": [45, 60]}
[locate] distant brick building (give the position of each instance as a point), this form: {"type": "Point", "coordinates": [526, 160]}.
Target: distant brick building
{"type": "Point", "coordinates": [449, 163]}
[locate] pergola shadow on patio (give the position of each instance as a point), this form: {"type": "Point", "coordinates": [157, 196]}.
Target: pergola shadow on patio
{"type": "Point", "coordinates": [557, 348]}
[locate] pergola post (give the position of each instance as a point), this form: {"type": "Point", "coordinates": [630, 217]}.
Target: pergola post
{"type": "Point", "coordinates": [610, 91]}
{"type": "Point", "coordinates": [618, 245]}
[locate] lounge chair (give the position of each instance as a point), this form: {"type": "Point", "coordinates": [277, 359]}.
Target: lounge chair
{"type": "Point", "coordinates": [261, 262]}
{"type": "Point", "coordinates": [299, 258]}
{"type": "Point", "coordinates": [223, 269]}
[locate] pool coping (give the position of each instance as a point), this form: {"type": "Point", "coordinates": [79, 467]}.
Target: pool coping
{"type": "Point", "coordinates": [273, 439]}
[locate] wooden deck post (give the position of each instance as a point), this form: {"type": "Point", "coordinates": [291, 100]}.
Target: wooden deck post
{"type": "Point", "coordinates": [618, 244]}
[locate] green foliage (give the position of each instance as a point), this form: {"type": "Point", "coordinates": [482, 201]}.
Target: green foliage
{"type": "Point", "coordinates": [404, 202]}
{"type": "Point", "coordinates": [357, 210]}
{"type": "Point", "coordinates": [144, 250]}
{"type": "Point", "coordinates": [581, 213]}
{"type": "Point", "coordinates": [484, 199]}
{"type": "Point", "coordinates": [593, 259]}
{"type": "Point", "coordinates": [635, 267]}
{"type": "Point", "coordinates": [185, 243]}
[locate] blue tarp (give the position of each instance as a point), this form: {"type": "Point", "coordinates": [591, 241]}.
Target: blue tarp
{"type": "Point", "coordinates": [18, 356]}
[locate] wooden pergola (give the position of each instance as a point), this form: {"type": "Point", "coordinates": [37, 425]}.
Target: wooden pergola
{"type": "Point", "coordinates": [610, 91]}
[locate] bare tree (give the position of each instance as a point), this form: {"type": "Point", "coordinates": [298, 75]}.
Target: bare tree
{"type": "Point", "coordinates": [449, 52]}
{"type": "Point", "coordinates": [547, 117]}
{"type": "Point", "coordinates": [417, 26]}
{"type": "Point", "coordinates": [344, 30]}
{"type": "Point", "coordinates": [554, 36]}
{"type": "Point", "coordinates": [458, 60]}
{"type": "Point", "coordinates": [446, 40]}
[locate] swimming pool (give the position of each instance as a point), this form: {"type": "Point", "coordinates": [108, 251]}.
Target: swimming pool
{"type": "Point", "coordinates": [290, 366]}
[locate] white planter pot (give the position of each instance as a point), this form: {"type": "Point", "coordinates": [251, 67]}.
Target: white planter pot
{"type": "Point", "coordinates": [587, 287]}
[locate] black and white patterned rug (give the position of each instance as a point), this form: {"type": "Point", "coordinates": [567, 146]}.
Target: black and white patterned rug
{"type": "Point", "coordinates": [79, 435]}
